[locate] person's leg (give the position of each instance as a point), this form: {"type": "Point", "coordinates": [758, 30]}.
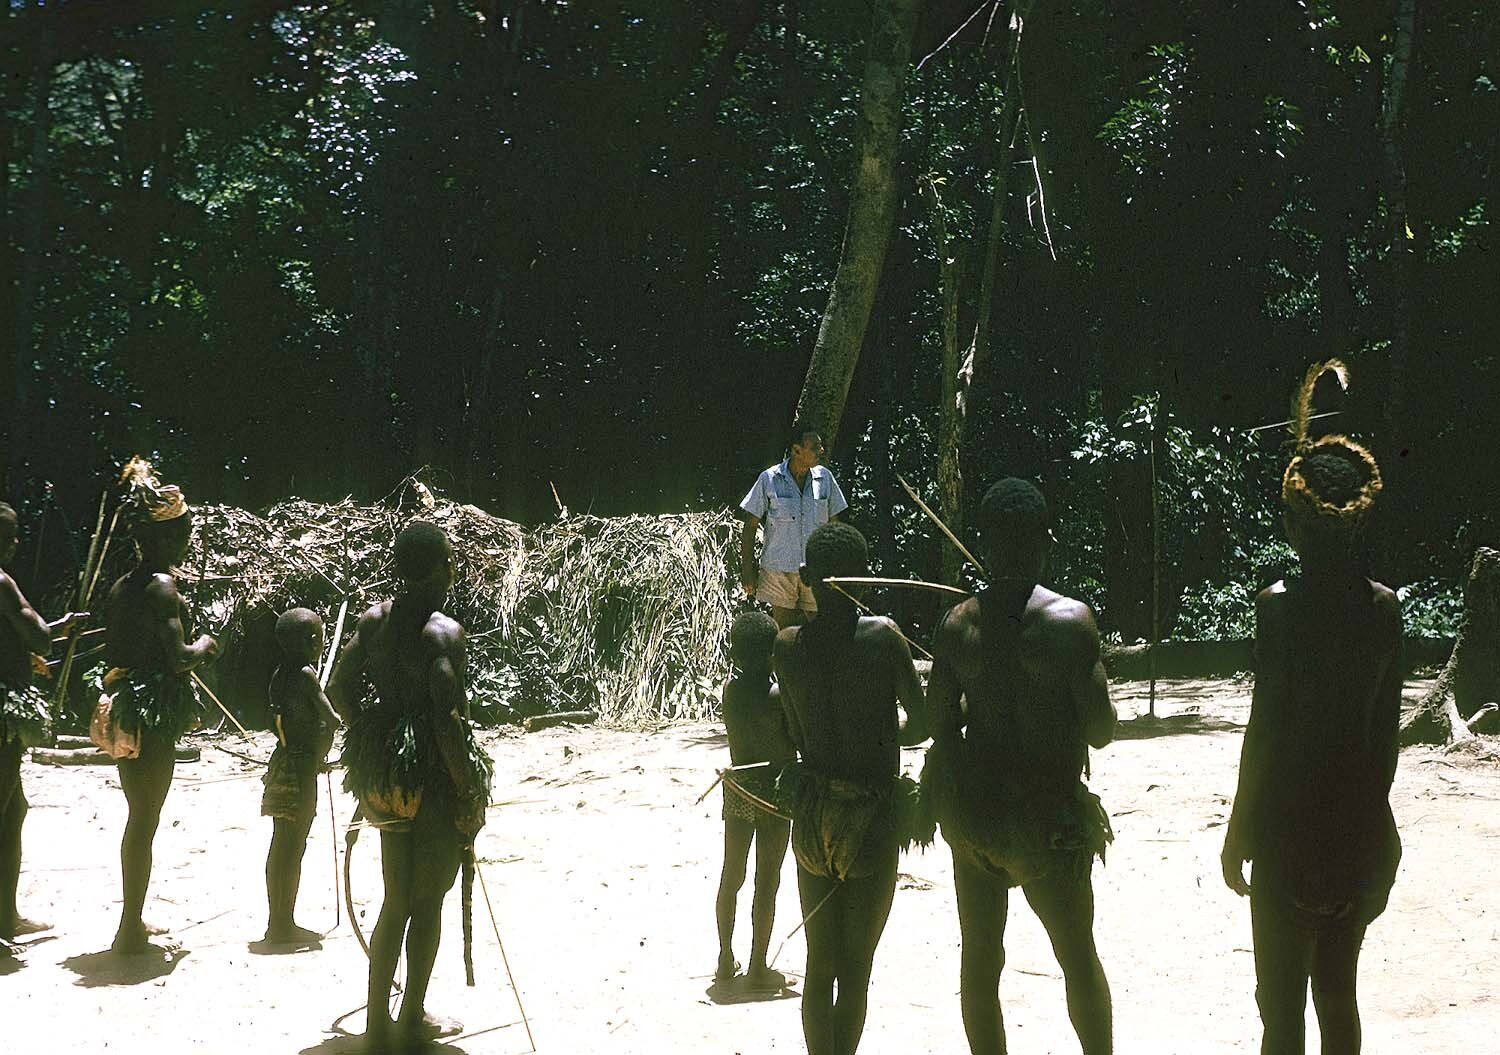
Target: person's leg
{"type": "Point", "coordinates": [1064, 902]}
{"type": "Point", "coordinates": [786, 617]}
{"type": "Point", "coordinates": [866, 905]}
{"type": "Point", "coordinates": [737, 837]}
{"type": "Point", "coordinates": [390, 926]}
{"type": "Point", "coordinates": [983, 902]}
{"type": "Point", "coordinates": [275, 884]}
{"type": "Point", "coordinates": [13, 807]}
{"type": "Point", "coordinates": [296, 850]}
{"type": "Point", "coordinates": [770, 851]}
{"type": "Point", "coordinates": [284, 877]}
{"type": "Point", "coordinates": [1283, 961]}
{"type": "Point", "coordinates": [1335, 963]}
{"type": "Point", "coordinates": [438, 850]}
{"type": "Point", "coordinates": [820, 899]}
{"type": "Point", "coordinates": [145, 781]}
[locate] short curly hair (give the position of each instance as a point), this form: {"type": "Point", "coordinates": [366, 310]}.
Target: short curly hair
{"type": "Point", "coordinates": [295, 626]}
{"type": "Point", "coordinates": [752, 635]}
{"type": "Point", "coordinates": [1013, 510]}
{"type": "Point", "coordinates": [421, 549]}
{"type": "Point", "coordinates": [836, 549]}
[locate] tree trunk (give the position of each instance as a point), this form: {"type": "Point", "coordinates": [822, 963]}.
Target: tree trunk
{"type": "Point", "coordinates": [958, 376]}
{"type": "Point", "coordinates": [1458, 702]}
{"type": "Point", "coordinates": [872, 214]}
{"type": "Point", "coordinates": [1401, 256]}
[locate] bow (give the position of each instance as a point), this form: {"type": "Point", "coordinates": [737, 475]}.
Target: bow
{"type": "Point", "coordinates": [351, 836]}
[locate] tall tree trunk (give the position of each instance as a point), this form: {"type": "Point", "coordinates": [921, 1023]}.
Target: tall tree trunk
{"type": "Point", "coordinates": [872, 214]}
{"type": "Point", "coordinates": [959, 374]}
{"type": "Point", "coordinates": [1462, 700]}
{"type": "Point", "coordinates": [1400, 260]}
{"type": "Point", "coordinates": [16, 433]}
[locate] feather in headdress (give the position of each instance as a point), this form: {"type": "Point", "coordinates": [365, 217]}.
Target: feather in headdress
{"type": "Point", "coordinates": [146, 497]}
{"type": "Point", "coordinates": [1296, 491]}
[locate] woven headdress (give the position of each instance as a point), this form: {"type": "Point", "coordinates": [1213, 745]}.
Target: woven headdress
{"type": "Point", "coordinates": [1302, 501]}
{"type": "Point", "coordinates": [147, 500]}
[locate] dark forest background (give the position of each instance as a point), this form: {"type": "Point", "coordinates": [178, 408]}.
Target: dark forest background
{"type": "Point", "coordinates": [305, 249]}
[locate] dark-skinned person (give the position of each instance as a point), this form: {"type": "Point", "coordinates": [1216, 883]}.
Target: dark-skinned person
{"type": "Point", "coordinates": [24, 717]}
{"type": "Point", "coordinates": [845, 680]}
{"type": "Point", "coordinates": [1312, 811]}
{"type": "Point", "coordinates": [1017, 696]}
{"type": "Point", "coordinates": [304, 722]}
{"type": "Point", "coordinates": [759, 746]}
{"type": "Point", "coordinates": [788, 502]}
{"type": "Point", "coordinates": [152, 700]}
{"type": "Point", "coordinates": [420, 776]}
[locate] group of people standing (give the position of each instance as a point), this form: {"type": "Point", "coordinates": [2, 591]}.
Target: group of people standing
{"type": "Point", "coordinates": [822, 699]}
{"type": "Point", "coordinates": [409, 751]}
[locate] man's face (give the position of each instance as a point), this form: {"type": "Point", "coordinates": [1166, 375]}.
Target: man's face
{"type": "Point", "coordinates": [807, 453]}
{"type": "Point", "coordinates": [10, 537]}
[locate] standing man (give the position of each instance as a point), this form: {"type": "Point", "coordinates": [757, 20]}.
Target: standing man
{"type": "Point", "coordinates": [791, 500]}
{"type": "Point", "coordinates": [1017, 697]}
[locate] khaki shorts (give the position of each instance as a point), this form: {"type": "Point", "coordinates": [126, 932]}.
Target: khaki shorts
{"type": "Point", "coordinates": [784, 589]}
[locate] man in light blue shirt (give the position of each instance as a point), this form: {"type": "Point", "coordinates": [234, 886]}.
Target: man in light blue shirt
{"type": "Point", "coordinates": [789, 501]}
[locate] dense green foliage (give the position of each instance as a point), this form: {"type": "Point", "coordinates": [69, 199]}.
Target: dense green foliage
{"type": "Point", "coordinates": [306, 248]}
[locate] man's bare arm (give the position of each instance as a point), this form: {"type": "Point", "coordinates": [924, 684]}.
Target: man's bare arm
{"type": "Point", "coordinates": [1087, 679]}
{"type": "Point", "coordinates": [779, 662]}
{"type": "Point", "coordinates": [914, 727]}
{"type": "Point", "coordinates": [747, 554]}
{"type": "Point", "coordinates": [450, 704]}
{"type": "Point", "coordinates": [1388, 704]}
{"type": "Point", "coordinates": [347, 683]}
{"type": "Point", "coordinates": [945, 711]}
{"type": "Point", "coordinates": [165, 608]}
{"type": "Point", "coordinates": [1264, 701]}
{"type": "Point", "coordinates": [30, 627]}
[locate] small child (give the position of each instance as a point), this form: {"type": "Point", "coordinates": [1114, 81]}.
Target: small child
{"type": "Point", "coordinates": [304, 721]}
{"type": "Point", "coordinates": [757, 731]}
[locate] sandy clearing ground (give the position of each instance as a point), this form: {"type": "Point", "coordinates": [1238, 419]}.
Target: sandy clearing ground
{"type": "Point", "coordinates": [603, 878]}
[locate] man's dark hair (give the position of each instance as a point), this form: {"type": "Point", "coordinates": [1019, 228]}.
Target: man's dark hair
{"type": "Point", "coordinates": [836, 549]}
{"type": "Point", "coordinates": [801, 429]}
{"type": "Point", "coordinates": [751, 638]}
{"type": "Point", "coordinates": [295, 626]}
{"type": "Point", "coordinates": [421, 549]}
{"type": "Point", "coordinates": [1332, 477]}
{"type": "Point", "coordinates": [1013, 511]}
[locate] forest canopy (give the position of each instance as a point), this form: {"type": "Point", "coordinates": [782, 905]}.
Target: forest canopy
{"type": "Point", "coordinates": [303, 249]}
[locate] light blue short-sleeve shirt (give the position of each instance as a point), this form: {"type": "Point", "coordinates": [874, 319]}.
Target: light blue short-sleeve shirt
{"type": "Point", "coordinates": [788, 513]}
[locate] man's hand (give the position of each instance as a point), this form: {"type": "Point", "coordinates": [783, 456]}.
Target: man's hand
{"type": "Point", "coordinates": [208, 645]}
{"type": "Point", "coordinates": [1233, 861]}
{"type": "Point", "coordinates": [747, 580]}
{"type": "Point", "coordinates": [68, 623]}
{"type": "Point", "coordinates": [470, 818]}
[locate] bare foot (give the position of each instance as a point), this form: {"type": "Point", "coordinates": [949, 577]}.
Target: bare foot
{"type": "Point", "coordinates": [21, 926]}
{"type": "Point", "coordinates": [764, 979]}
{"type": "Point", "coordinates": [431, 1027]}
{"type": "Point", "coordinates": [379, 1039]}
{"type": "Point", "coordinates": [727, 969]}
{"type": "Point", "coordinates": [291, 934]}
{"type": "Point", "coordinates": [130, 941]}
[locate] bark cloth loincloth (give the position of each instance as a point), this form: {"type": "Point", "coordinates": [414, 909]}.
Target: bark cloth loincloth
{"type": "Point", "coordinates": [23, 714]}
{"type": "Point", "coordinates": [1017, 835]}
{"type": "Point", "coordinates": [291, 781]}
{"type": "Point", "coordinates": [841, 827]}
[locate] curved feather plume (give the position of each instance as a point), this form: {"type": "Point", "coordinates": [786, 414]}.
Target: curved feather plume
{"type": "Point", "coordinates": [1302, 403]}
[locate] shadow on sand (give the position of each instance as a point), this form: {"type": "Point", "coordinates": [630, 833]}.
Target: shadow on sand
{"type": "Point", "coordinates": [272, 948]}
{"type": "Point", "coordinates": [1148, 728]}
{"type": "Point", "coordinates": [347, 1044]}
{"type": "Point", "coordinates": [96, 969]}
{"type": "Point", "coordinates": [737, 992]}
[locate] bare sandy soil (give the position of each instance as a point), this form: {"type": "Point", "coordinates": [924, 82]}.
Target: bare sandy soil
{"type": "Point", "coordinates": [603, 871]}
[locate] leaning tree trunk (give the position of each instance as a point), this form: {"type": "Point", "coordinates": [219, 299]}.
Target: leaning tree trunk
{"type": "Point", "coordinates": [872, 214]}
{"type": "Point", "coordinates": [1462, 700]}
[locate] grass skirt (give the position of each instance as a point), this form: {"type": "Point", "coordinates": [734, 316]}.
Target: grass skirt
{"type": "Point", "coordinates": [155, 702]}
{"type": "Point", "coordinates": [1015, 834]}
{"type": "Point", "coordinates": [24, 715]}
{"type": "Point", "coordinates": [836, 822]}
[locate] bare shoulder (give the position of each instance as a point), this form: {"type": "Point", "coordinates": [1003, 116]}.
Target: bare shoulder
{"type": "Point", "coordinates": [1271, 600]}
{"type": "Point", "coordinates": [374, 615]}
{"type": "Point", "coordinates": [161, 591]}
{"type": "Point", "coordinates": [1386, 603]}
{"type": "Point", "coordinates": [957, 622]}
{"type": "Point", "coordinates": [444, 632]}
{"type": "Point", "coordinates": [1066, 616]}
